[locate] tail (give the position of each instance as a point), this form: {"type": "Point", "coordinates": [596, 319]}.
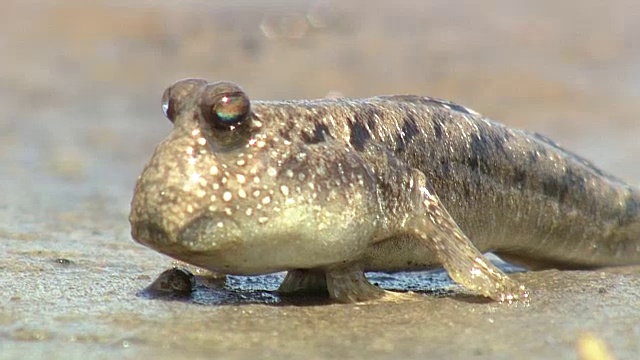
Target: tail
{"type": "Point", "coordinates": [611, 239]}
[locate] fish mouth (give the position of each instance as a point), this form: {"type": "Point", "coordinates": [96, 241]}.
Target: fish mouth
{"type": "Point", "coordinates": [208, 233]}
{"type": "Point", "coordinates": [150, 234]}
{"type": "Point", "coordinates": [201, 242]}
{"type": "Point", "coordinates": [154, 237]}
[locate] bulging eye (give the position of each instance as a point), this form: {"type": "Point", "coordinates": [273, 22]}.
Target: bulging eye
{"type": "Point", "coordinates": [177, 96]}
{"type": "Point", "coordinates": [229, 110]}
{"type": "Point", "coordinates": [226, 114]}
{"type": "Point", "coordinates": [167, 108]}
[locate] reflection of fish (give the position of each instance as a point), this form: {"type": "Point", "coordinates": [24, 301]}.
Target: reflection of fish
{"type": "Point", "coordinates": [327, 189]}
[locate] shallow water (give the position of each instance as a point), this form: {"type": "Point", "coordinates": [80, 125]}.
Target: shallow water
{"type": "Point", "coordinates": [80, 89]}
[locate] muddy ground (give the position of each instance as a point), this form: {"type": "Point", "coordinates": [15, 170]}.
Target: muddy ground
{"type": "Point", "coordinates": [80, 87]}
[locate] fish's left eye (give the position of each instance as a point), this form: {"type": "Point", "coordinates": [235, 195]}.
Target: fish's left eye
{"type": "Point", "coordinates": [229, 110]}
{"type": "Point", "coordinates": [226, 114]}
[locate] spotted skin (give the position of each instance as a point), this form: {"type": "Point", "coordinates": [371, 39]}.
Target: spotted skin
{"type": "Point", "coordinates": [329, 189]}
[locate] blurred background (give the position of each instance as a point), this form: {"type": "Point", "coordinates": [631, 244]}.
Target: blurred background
{"type": "Point", "coordinates": [81, 81]}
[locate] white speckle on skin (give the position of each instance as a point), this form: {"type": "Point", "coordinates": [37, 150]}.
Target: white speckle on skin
{"type": "Point", "coordinates": [271, 171]}
{"type": "Point", "coordinates": [256, 180]}
{"type": "Point", "coordinates": [262, 219]}
{"type": "Point", "coordinates": [256, 193]}
{"type": "Point", "coordinates": [228, 211]}
{"type": "Point", "coordinates": [242, 194]}
{"type": "Point", "coordinates": [220, 224]}
{"type": "Point", "coordinates": [227, 196]}
{"type": "Point", "coordinates": [285, 190]}
{"type": "Point", "coordinates": [240, 178]}
{"type": "Point", "coordinates": [266, 200]}
{"type": "Point", "coordinates": [202, 141]}
{"type": "Point", "coordinates": [215, 186]}
{"type": "Point", "coordinates": [241, 162]}
{"type": "Point", "coordinates": [289, 173]}
{"type": "Point", "coordinates": [249, 211]}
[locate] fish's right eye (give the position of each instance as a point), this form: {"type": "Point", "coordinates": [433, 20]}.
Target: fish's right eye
{"type": "Point", "coordinates": [167, 106]}
{"type": "Point", "coordinates": [176, 97]}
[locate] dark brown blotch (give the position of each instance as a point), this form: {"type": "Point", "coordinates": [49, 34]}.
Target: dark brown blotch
{"type": "Point", "coordinates": [361, 127]}
{"type": "Point", "coordinates": [408, 131]}
{"type": "Point", "coordinates": [320, 131]}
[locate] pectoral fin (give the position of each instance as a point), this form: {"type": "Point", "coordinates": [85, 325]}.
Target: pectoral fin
{"type": "Point", "coordinates": [464, 263]}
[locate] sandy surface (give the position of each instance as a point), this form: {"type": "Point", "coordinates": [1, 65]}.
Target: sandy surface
{"type": "Point", "coordinates": [80, 87]}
